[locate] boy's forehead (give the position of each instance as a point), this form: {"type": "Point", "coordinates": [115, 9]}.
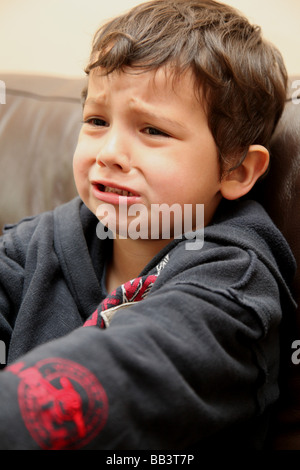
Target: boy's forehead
{"type": "Point", "coordinates": [161, 82]}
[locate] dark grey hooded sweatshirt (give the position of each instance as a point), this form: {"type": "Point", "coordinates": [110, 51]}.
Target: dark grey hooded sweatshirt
{"type": "Point", "coordinates": [184, 357]}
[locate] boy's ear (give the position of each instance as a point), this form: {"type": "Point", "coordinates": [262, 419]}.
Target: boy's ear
{"type": "Point", "coordinates": [240, 180]}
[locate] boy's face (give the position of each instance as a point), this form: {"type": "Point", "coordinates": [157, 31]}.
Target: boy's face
{"type": "Point", "coordinates": [149, 137]}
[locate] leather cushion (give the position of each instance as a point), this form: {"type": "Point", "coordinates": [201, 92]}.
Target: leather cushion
{"type": "Point", "coordinates": [39, 127]}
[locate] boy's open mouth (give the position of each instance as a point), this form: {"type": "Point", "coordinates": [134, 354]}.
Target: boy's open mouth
{"type": "Point", "coordinates": [121, 192]}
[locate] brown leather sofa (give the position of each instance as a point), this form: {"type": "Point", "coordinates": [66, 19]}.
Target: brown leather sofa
{"type": "Point", "coordinates": [39, 126]}
{"type": "Point", "coordinates": [280, 195]}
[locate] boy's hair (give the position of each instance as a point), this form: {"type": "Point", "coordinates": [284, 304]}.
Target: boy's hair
{"type": "Point", "coordinates": [240, 75]}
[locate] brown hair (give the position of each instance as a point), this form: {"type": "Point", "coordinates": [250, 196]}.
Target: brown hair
{"type": "Point", "coordinates": [241, 76]}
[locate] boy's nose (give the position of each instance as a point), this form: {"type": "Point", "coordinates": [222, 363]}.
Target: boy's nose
{"type": "Point", "coordinates": [112, 153]}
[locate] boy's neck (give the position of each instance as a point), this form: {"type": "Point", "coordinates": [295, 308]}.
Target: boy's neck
{"type": "Point", "coordinates": [129, 257]}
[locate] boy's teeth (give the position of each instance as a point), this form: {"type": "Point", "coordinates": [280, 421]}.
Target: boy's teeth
{"type": "Point", "coordinates": [121, 192]}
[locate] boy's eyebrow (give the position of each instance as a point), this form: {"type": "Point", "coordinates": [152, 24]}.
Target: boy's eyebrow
{"type": "Point", "coordinates": [153, 115]}
{"type": "Point", "coordinates": [91, 100]}
{"type": "Point", "coordinates": [84, 95]}
{"type": "Point", "coordinates": [141, 109]}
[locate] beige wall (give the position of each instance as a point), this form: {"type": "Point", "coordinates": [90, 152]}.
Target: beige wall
{"type": "Point", "coordinates": [54, 36]}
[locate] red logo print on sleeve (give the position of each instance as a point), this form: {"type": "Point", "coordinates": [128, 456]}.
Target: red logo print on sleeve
{"type": "Point", "coordinates": [62, 403]}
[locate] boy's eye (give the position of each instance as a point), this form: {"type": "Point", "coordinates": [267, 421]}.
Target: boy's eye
{"type": "Point", "coordinates": [96, 122]}
{"type": "Point", "coordinates": [154, 131]}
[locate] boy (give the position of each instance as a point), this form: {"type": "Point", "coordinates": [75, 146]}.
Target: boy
{"type": "Point", "coordinates": [123, 342]}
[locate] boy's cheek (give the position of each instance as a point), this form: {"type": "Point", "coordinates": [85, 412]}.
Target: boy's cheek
{"type": "Point", "coordinates": [77, 164]}
{"type": "Point", "coordinates": [80, 169]}
{"type": "Point", "coordinates": [83, 154]}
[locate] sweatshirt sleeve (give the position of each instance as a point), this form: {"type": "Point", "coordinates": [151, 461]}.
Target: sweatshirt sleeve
{"type": "Point", "coordinates": [194, 359]}
{"type": "Point", "coordinates": [11, 286]}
